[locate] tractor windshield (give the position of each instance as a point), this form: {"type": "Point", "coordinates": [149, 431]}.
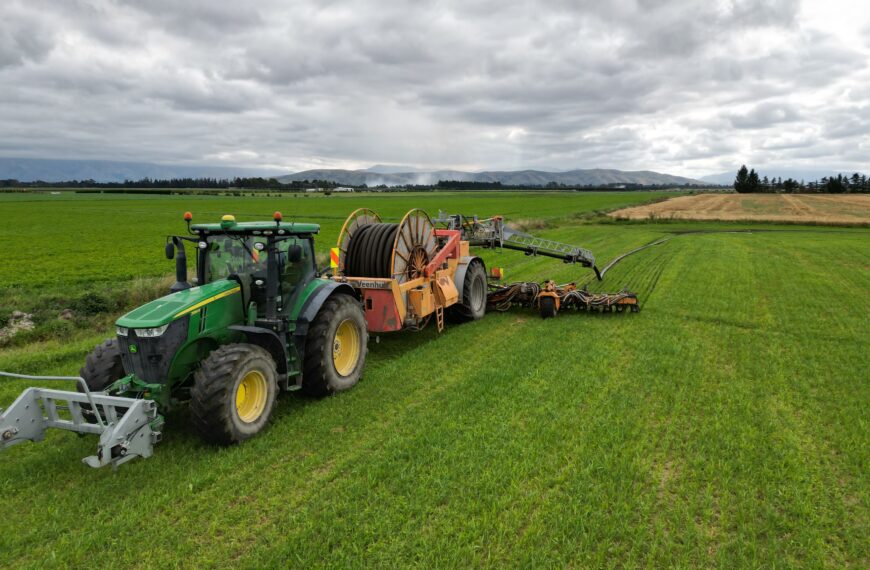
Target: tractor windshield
{"type": "Point", "coordinates": [249, 256]}
{"type": "Point", "coordinates": [234, 256]}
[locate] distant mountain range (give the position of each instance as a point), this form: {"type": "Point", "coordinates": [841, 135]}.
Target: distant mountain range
{"type": "Point", "coordinates": [50, 170]}
{"type": "Point", "coordinates": [387, 175]}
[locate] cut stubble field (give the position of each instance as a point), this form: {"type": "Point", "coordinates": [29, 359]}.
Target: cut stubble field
{"type": "Point", "coordinates": [821, 209]}
{"type": "Point", "coordinates": [723, 425]}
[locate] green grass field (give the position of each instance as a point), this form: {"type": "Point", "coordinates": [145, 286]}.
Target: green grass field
{"type": "Point", "coordinates": [724, 425]}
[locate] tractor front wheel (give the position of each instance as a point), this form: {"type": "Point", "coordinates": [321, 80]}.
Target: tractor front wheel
{"type": "Point", "coordinates": [103, 366]}
{"type": "Point", "coordinates": [234, 393]}
{"type": "Point", "coordinates": [335, 349]}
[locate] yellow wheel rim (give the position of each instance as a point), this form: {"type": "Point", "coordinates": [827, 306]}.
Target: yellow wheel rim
{"type": "Point", "coordinates": [251, 396]}
{"type": "Point", "coordinates": [345, 347]}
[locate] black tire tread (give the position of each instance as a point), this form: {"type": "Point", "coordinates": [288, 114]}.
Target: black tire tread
{"type": "Point", "coordinates": [209, 392]}
{"type": "Point", "coordinates": [314, 366]}
{"type": "Point", "coordinates": [103, 365]}
{"type": "Point", "coordinates": [461, 312]}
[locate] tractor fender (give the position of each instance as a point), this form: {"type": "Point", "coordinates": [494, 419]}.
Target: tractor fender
{"type": "Point", "coordinates": [462, 269]}
{"type": "Point", "coordinates": [312, 305]}
{"type": "Point", "coordinates": [269, 340]}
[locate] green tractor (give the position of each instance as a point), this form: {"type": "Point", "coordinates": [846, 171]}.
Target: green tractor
{"type": "Point", "coordinates": [258, 320]}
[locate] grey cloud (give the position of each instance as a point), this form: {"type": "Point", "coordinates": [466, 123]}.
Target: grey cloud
{"type": "Point", "coordinates": [475, 84]}
{"type": "Point", "coordinates": [23, 37]}
{"type": "Point", "coordinates": [765, 115]}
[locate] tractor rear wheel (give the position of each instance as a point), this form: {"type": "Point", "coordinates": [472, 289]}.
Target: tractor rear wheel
{"type": "Point", "coordinates": [473, 304]}
{"type": "Point", "coordinates": [234, 393]}
{"type": "Point", "coordinates": [336, 346]}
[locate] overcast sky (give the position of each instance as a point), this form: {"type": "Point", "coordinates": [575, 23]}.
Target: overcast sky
{"type": "Point", "coordinates": [684, 87]}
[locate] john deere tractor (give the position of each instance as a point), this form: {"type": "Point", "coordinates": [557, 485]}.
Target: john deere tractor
{"type": "Point", "coordinates": [256, 320]}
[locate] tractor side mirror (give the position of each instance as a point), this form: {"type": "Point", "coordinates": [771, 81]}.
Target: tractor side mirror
{"type": "Point", "coordinates": [294, 254]}
{"type": "Point", "coordinates": [170, 250]}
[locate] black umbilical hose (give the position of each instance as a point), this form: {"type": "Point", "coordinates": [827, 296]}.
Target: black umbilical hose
{"type": "Point", "coordinates": [370, 251]}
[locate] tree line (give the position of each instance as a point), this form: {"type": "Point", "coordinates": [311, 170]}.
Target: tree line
{"type": "Point", "coordinates": [199, 183]}
{"type": "Point", "coordinates": [747, 181]}
{"type": "Point", "coordinates": [165, 185]}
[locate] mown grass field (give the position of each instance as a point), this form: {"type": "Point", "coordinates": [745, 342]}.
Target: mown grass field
{"type": "Point", "coordinates": [822, 209]}
{"type": "Point", "coordinates": [723, 425]}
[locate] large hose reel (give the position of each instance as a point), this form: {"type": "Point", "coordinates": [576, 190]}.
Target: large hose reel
{"type": "Point", "coordinates": [371, 248]}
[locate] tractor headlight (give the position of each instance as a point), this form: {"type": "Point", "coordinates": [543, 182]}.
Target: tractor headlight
{"type": "Point", "coordinates": [121, 331]}
{"type": "Point", "coordinates": [151, 333]}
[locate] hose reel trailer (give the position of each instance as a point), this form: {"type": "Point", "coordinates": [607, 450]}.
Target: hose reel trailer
{"type": "Point", "coordinates": [369, 247]}
{"type": "Point", "coordinates": [406, 272]}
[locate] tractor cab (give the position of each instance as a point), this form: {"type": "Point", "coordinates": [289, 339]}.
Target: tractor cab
{"type": "Point", "coordinates": [271, 262]}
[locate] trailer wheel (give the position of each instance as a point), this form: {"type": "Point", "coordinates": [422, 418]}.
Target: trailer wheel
{"type": "Point", "coordinates": [103, 366]}
{"type": "Point", "coordinates": [233, 393]}
{"type": "Point", "coordinates": [473, 304]}
{"type": "Point", "coordinates": [336, 346]}
{"type": "Point", "coordinates": [548, 307]}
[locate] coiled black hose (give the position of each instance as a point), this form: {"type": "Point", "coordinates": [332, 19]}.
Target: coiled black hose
{"type": "Point", "coordinates": [370, 251]}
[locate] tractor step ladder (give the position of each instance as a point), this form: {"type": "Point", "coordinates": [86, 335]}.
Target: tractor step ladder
{"type": "Point", "coordinates": [128, 427]}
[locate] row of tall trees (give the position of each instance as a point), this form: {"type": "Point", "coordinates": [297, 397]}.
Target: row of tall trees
{"type": "Point", "coordinates": [258, 183]}
{"type": "Point", "coordinates": [747, 182]}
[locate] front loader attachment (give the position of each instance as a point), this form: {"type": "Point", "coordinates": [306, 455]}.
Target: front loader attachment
{"type": "Point", "coordinates": [127, 427]}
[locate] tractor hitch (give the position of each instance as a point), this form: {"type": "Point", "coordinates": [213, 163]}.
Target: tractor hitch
{"type": "Point", "coordinates": [127, 427]}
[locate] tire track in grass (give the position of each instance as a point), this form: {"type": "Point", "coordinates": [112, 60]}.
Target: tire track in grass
{"type": "Point", "coordinates": [793, 474]}
{"type": "Point", "coordinates": [640, 277]}
{"type": "Point", "coordinates": [758, 437]}
{"type": "Point", "coordinates": [630, 402]}
{"type": "Point", "coordinates": [534, 532]}
{"type": "Point", "coordinates": [807, 404]}
{"type": "Point", "coordinates": [689, 516]}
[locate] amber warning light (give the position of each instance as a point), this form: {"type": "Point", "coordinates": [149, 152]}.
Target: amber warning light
{"type": "Point", "coordinates": [277, 216]}
{"type": "Point", "coordinates": [188, 216]}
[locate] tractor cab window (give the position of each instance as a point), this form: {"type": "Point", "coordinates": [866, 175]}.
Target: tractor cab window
{"type": "Point", "coordinates": [235, 256]}
{"type": "Point", "coordinates": [295, 264]}
{"type": "Point", "coordinates": [247, 258]}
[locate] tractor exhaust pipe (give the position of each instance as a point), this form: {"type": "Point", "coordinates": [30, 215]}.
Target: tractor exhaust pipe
{"type": "Point", "coordinates": [180, 264]}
